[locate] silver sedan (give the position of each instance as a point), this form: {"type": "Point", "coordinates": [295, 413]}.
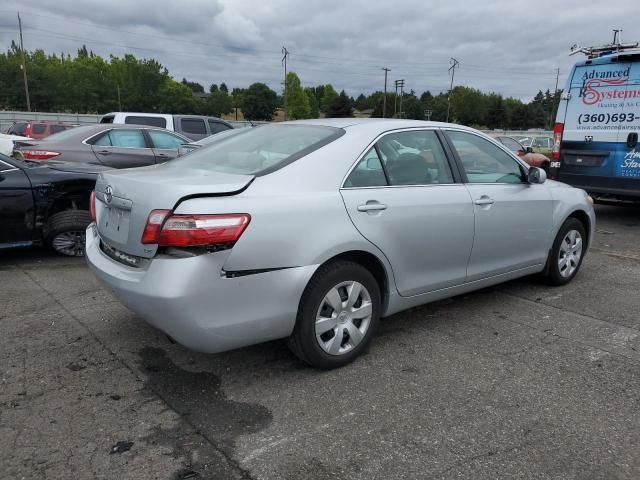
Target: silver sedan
{"type": "Point", "coordinates": [313, 230]}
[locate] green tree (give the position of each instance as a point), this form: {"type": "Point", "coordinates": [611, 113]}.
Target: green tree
{"type": "Point", "coordinates": [258, 102]}
{"type": "Point", "coordinates": [341, 107]}
{"type": "Point", "coordinates": [297, 101]}
{"type": "Point", "coordinates": [413, 108]}
{"type": "Point", "coordinates": [194, 86]}
{"type": "Point", "coordinates": [213, 87]}
{"type": "Point", "coordinates": [314, 110]}
{"type": "Point", "coordinates": [218, 103]}
{"type": "Point", "coordinates": [328, 96]}
{"type": "Point", "coordinates": [224, 88]}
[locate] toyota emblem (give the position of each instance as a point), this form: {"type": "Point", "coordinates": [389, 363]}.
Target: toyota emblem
{"type": "Point", "coordinates": [108, 193]}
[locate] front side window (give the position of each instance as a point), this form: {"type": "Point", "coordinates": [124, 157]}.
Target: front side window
{"type": "Point", "coordinates": [216, 127]}
{"type": "Point", "coordinates": [484, 162]}
{"type": "Point", "coordinates": [123, 138]}
{"type": "Point", "coordinates": [259, 150]}
{"type": "Point", "coordinates": [164, 141]}
{"type": "Point", "coordinates": [193, 125]}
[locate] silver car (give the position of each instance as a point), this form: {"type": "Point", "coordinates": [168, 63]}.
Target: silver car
{"type": "Point", "coordinates": [313, 230]}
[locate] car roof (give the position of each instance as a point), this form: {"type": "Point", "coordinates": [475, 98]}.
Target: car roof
{"type": "Point", "coordinates": [375, 124]}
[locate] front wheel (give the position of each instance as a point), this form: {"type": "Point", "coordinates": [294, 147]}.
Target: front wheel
{"type": "Point", "coordinates": [567, 253]}
{"type": "Point", "coordinates": [337, 316]}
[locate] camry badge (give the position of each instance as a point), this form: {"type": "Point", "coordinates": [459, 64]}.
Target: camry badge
{"type": "Point", "coordinates": [108, 193]}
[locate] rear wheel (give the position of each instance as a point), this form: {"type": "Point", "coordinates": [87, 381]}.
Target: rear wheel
{"type": "Point", "coordinates": [66, 232]}
{"type": "Point", "coordinates": [338, 313]}
{"type": "Point", "coordinates": [567, 252]}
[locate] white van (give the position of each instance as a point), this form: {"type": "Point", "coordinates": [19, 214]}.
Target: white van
{"type": "Point", "coordinates": [193, 126]}
{"type": "Point", "coordinates": [596, 131]}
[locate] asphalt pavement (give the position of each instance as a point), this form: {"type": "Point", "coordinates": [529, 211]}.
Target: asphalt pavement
{"type": "Point", "coordinates": [518, 381]}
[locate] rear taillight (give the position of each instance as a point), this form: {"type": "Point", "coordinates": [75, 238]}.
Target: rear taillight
{"type": "Point", "coordinates": [169, 230]}
{"type": "Point", "coordinates": [558, 129]}
{"type": "Point", "coordinates": [154, 223]}
{"type": "Point", "coordinates": [92, 206]}
{"type": "Point", "coordinates": [38, 154]}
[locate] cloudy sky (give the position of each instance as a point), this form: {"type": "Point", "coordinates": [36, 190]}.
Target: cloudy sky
{"type": "Point", "coordinates": [510, 47]}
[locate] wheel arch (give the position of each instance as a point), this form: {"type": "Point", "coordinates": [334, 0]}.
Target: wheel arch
{"type": "Point", "coordinates": [373, 264]}
{"type": "Point", "coordinates": [583, 218]}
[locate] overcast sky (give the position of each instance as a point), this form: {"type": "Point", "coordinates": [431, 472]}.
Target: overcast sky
{"type": "Point", "coordinates": [510, 47]}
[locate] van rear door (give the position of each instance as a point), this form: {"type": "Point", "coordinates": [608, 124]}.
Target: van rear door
{"type": "Point", "coordinates": [592, 143]}
{"type": "Point", "coordinates": [629, 163]}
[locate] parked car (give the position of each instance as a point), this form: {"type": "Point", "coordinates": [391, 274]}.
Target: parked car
{"type": "Point", "coordinates": [292, 230]}
{"type": "Point", "coordinates": [598, 124]}
{"type": "Point", "coordinates": [193, 126]}
{"type": "Point", "coordinates": [526, 153]}
{"type": "Point", "coordinates": [7, 143]}
{"type": "Point", "coordinates": [45, 204]}
{"type": "Point", "coordinates": [38, 129]}
{"type": "Point", "coordinates": [189, 147]}
{"type": "Point", "coordinates": [116, 146]}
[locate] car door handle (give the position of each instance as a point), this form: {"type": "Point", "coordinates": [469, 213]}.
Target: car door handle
{"type": "Point", "coordinates": [104, 152]}
{"type": "Point", "coordinates": [484, 200]}
{"type": "Point", "coordinates": [372, 206]}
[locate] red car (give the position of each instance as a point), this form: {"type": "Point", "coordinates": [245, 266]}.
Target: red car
{"type": "Point", "coordinates": [526, 153]}
{"type": "Point", "coordinates": [37, 129]}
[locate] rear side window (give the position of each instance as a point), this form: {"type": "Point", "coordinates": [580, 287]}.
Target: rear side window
{"type": "Point", "coordinates": [151, 121]}
{"type": "Point", "coordinates": [259, 150]}
{"type": "Point", "coordinates": [123, 138]}
{"type": "Point", "coordinates": [216, 127]}
{"type": "Point", "coordinates": [107, 119]}
{"type": "Point", "coordinates": [38, 128]}
{"type": "Point", "coordinates": [193, 125]}
{"type": "Point", "coordinates": [164, 140]}
{"type": "Point", "coordinates": [368, 172]}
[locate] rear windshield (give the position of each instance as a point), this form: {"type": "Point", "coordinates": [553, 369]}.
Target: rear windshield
{"type": "Point", "coordinates": [38, 128]}
{"type": "Point", "coordinates": [259, 150]}
{"type": "Point", "coordinates": [151, 121]}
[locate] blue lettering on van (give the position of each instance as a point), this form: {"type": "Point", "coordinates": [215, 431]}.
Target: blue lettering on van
{"type": "Point", "coordinates": [592, 92]}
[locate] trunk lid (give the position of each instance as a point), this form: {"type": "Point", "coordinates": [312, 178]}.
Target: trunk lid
{"type": "Point", "coordinates": [124, 199]}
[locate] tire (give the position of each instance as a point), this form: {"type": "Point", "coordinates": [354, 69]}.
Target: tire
{"type": "Point", "coordinates": [336, 347]}
{"type": "Point", "coordinates": [65, 232]}
{"type": "Point", "coordinates": [558, 272]}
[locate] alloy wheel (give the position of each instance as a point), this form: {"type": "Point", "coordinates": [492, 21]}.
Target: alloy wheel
{"type": "Point", "coordinates": [69, 243]}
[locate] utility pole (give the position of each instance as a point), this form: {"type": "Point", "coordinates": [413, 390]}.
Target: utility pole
{"type": "Point", "coordinates": [452, 69]}
{"type": "Point", "coordinates": [395, 99]}
{"type": "Point", "coordinates": [24, 65]}
{"type": "Point", "coordinates": [555, 94]}
{"type": "Point", "coordinates": [401, 85]}
{"type": "Point", "coordinates": [285, 54]}
{"type": "Point", "coordinates": [384, 101]}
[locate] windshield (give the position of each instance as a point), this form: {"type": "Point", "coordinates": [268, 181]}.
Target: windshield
{"type": "Point", "coordinates": [259, 150]}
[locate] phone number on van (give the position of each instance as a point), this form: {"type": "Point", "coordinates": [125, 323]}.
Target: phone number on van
{"type": "Point", "coordinates": [607, 118]}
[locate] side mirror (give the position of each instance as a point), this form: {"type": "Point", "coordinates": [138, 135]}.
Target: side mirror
{"type": "Point", "coordinates": [536, 175]}
{"type": "Point", "coordinates": [528, 150]}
